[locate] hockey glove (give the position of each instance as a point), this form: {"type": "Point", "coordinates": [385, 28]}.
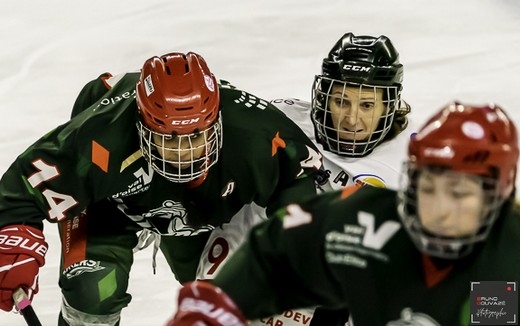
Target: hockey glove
{"type": "Point", "coordinates": [22, 253]}
{"type": "Point", "coordinates": [203, 304]}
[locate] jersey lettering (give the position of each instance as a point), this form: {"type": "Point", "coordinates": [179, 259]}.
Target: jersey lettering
{"type": "Point", "coordinates": [81, 267]}
{"type": "Point", "coordinates": [376, 239]}
{"type": "Point", "coordinates": [141, 184]}
{"type": "Point", "coordinates": [218, 252]}
{"type": "Point", "coordinates": [45, 172]}
{"type": "Point", "coordinates": [288, 317]}
{"type": "Point", "coordinates": [283, 100]}
{"type": "Point", "coordinates": [147, 177]}
{"type": "Point", "coordinates": [229, 189]}
{"type": "Point", "coordinates": [117, 98]}
{"type": "Point", "coordinates": [342, 177]}
{"type": "Point", "coordinates": [58, 203]}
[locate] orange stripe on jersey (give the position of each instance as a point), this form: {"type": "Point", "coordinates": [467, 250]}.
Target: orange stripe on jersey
{"type": "Point", "coordinates": [349, 190]}
{"type": "Point", "coordinates": [74, 240]}
{"type": "Point", "coordinates": [100, 156]}
{"type": "Point", "coordinates": [276, 143]}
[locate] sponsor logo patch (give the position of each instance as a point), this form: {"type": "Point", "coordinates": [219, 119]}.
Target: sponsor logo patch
{"type": "Point", "coordinates": [84, 266]}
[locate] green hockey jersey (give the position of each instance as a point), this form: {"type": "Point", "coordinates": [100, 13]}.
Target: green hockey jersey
{"type": "Point", "coordinates": [353, 252]}
{"type": "Point", "coordinates": [94, 157]}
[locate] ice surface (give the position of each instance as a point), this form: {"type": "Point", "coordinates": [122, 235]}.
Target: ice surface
{"type": "Point", "coordinates": [465, 49]}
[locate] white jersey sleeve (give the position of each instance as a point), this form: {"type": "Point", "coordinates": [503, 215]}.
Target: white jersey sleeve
{"type": "Point", "coordinates": [224, 241]}
{"type": "Point", "coordinates": [298, 111]}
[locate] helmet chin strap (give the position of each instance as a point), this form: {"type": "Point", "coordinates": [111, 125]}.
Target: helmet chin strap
{"type": "Point", "coordinates": [197, 182]}
{"type": "Point", "coordinates": [200, 179]}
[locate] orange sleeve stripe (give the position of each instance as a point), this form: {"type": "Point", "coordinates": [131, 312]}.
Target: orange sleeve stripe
{"type": "Point", "coordinates": [349, 190]}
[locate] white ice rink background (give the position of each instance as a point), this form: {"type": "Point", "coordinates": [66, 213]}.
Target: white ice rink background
{"type": "Point", "coordinates": [465, 49]}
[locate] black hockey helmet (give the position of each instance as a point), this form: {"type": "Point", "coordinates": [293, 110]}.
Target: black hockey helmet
{"type": "Point", "coordinates": [365, 62]}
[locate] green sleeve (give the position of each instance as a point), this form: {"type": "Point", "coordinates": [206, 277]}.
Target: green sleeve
{"type": "Point", "coordinates": [339, 250]}
{"type": "Point", "coordinates": [34, 188]}
{"type": "Point", "coordinates": [276, 159]}
{"type": "Point", "coordinates": [75, 163]}
{"type": "Point", "coordinates": [299, 163]}
{"type": "Point", "coordinates": [276, 268]}
{"type": "Point", "coordinates": [301, 183]}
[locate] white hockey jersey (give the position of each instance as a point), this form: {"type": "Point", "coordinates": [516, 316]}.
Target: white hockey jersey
{"type": "Point", "coordinates": [380, 168]}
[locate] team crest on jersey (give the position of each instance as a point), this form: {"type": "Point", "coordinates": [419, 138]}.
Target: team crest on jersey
{"type": "Point", "coordinates": [178, 219]}
{"type": "Point", "coordinates": [356, 243]}
{"type": "Point", "coordinates": [141, 184]}
{"type": "Point", "coordinates": [369, 179]}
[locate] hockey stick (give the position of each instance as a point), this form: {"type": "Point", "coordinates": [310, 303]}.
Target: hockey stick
{"type": "Point", "coordinates": [23, 304]}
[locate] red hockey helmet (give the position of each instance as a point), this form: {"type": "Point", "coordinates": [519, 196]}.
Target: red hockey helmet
{"type": "Point", "coordinates": [178, 102]}
{"type": "Point", "coordinates": [177, 94]}
{"type": "Point", "coordinates": [479, 142]}
{"type": "Point", "coordinates": [470, 139]}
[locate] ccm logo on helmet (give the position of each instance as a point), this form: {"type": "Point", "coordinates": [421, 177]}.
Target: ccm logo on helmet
{"type": "Point", "coordinates": [356, 68]}
{"type": "Point", "coordinates": [185, 122]}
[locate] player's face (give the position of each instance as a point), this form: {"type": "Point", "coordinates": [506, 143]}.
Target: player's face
{"type": "Point", "coordinates": [450, 204]}
{"type": "Point", "coordinates": [181, 151]}
{"type": "Point", "coordinates": [356, 111]}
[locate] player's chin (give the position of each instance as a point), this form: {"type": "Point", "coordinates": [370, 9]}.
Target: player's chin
{"type": "Point", "coordinates": [445, 233]}
{"type": "Point", "coordinates": [181, 166]}
{"type": "Point", "coordinates": [353, 136]}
